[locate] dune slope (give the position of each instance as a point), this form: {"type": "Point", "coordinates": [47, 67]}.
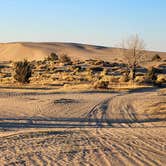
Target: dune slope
{"type": "Point", "coordinates": [37, 51]}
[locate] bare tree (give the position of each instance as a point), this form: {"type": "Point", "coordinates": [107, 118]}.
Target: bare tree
{"type": "Point", "coordinates": [133, 51]}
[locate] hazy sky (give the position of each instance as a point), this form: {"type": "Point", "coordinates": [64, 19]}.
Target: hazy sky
{"type": "Point", "coordinates": [102, 22]}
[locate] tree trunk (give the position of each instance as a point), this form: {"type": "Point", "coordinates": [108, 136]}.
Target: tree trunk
{"type": "Point", "coordinates": [132, 73]}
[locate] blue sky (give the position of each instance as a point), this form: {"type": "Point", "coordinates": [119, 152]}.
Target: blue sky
{"type": "Point", "coordinates": [101, 22]}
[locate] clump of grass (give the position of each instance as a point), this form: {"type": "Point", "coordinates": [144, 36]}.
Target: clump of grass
{"type": "Point", "coordinates": [161, 79]}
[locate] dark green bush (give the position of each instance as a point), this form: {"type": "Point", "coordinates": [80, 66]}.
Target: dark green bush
{"type": "Point", "coordinates": [53, 57]}
{"type": "Point", "coordinates": [22, 71]}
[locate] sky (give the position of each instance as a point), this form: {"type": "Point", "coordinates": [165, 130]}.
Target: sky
{"type": "Point", "coordinates": [99, 22]}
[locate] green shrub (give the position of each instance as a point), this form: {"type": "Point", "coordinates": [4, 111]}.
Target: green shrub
{"type": "Point", "coordinates": [22, 71]}
{"type": "Point", "coordinates": [53, 57]}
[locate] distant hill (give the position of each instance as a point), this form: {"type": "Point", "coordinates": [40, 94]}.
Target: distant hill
{"type": "Point", "coordinates": [38, 51]}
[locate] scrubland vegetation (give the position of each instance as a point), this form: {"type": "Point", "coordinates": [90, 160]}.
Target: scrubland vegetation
{"type": "Point", "coordinates": [62, 71]}
{"type": "Point", "coordinates": [59, 70]}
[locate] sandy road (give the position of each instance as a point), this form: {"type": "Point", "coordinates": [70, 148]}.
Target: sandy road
{"type": "Point", "coordinates": [83, 129]}
{"type": "Point", "coordinates": [124, 146]}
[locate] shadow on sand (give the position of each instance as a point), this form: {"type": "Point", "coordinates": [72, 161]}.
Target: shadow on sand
{"type": "Point", "coordinates": [70, 122]}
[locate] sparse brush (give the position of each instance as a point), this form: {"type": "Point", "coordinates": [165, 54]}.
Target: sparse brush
{"type": "Point", "coordinates": [22, 71]}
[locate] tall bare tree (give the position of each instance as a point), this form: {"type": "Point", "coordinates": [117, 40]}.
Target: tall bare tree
{"type": "Point", "coordinates": [133, 51]}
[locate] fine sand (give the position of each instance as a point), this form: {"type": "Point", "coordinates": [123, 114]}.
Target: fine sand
{"type": "Point", "coordinates": [83, 128]}
{"type": "Point", "coordinates": [39, 51]}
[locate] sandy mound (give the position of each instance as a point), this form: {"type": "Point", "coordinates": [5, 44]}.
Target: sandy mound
{"type": "Point", "coordinates": [37, 51]}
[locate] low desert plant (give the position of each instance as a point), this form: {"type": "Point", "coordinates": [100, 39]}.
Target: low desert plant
{"type": "Point", "coordinates": [156, 57]}
{"type": "Point", "coordinates": [151, 75]}
{"type": "Point", "coordinates": [65, 59]}
{"type": "Point", "coordinates": [53, 57]}
{"type": "Point", "coordinates": [113, 79]}
{"type": "Point", "coordinates": [161, 78]}
{"type": "Point", "coordinates": [140, 79]}
{"type": "Point", "coordinates": [22, 71]}
{"type": "Point", "coordinates": [124, 78]}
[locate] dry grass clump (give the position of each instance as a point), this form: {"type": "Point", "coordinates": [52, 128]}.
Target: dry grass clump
{"type": "Point", "coordinates": [140, 79]}
{"type": "Point", "coordinates": [161, 78]}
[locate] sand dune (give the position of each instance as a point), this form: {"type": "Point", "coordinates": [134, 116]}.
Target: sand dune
{"type": "Point", "coordinates": [37, 51]}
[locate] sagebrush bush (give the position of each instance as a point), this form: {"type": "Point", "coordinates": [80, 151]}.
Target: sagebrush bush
{"type": "Point", "coordinates": [53, 57]}
{"type": "Point", "coordinates": [22, 71]}
{"type": "Point", "coordinates": [64, 59]}
{"type": "Point", "coordinates": [151, 75]}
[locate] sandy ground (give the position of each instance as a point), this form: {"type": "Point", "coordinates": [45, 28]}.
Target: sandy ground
{"type": "Point", "coordinates": [83, 128]}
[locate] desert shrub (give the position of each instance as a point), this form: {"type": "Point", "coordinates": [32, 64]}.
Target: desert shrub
{"type": "Point", "coordinates": [89, 75]}
{"type": "Point", "coordinates": [140, 79]}
{"type": "Point", "coordinates": [53, 57]}
{"type": "Point", "coordinates": [100, 84]}
{"type": "Point", "coordinates": [64, 59]}
{"type": "Point", "coordinates": [161, 78]}
{"type": "Point", "coordinates": [156, 57]}
{"type": "Point", "coordinates": [104, 73]}
{"type": "Point", "coordinates": [90, 61]}
{"type": "Point", "coordinates": [22, 71]}
{"type": "Point", "coordinates": [151, 76]}
{"type": "Point", "coordinates": [124, 78]}
{"type": "Point", "coordinates": [96, 69]}
{"type": "Point", "coordinates": [98, 62]}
